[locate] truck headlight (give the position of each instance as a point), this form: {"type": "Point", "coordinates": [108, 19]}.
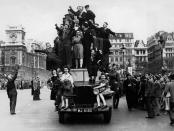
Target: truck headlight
{"type": "Point", "coordinates": [96, 91]}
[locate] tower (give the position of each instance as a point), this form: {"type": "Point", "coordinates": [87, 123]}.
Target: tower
{"type": "Point", "coordinates": [15, 35]}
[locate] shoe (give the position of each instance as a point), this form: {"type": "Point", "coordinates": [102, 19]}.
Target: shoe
{"type": "Point", "coordinates": [62, 107]}
{"type": "Point", "coordinates": [13, 113]}
{"type": "Point", "coordinates": [66, 108]}
{"type": "Point", "coordinates": [98, 107]}
{"type": "Point", "coordinates": [104, 106]}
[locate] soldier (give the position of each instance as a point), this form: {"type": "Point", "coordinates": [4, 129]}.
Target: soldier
{"type": "Point", "coordinates": [11, 90]}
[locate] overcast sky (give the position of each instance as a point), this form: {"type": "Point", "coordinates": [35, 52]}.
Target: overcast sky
{"type": "Point", "coordinates": [38, 17]}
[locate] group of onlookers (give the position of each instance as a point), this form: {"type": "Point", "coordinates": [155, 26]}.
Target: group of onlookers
{"type": "Point", "coordinates": [154, 93]}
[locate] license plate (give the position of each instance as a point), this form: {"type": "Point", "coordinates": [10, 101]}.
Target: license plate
{"type": "Point", "coordinates": [84, 110]}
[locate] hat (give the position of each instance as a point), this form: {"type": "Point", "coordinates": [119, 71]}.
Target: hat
{"type": "Point", "coordinates": [86, 6]}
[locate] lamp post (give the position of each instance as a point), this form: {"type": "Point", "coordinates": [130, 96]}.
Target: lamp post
{"type": "Point", "coordinates": [122, 49]}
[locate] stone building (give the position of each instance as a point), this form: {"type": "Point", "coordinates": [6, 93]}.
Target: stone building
{"type": "Point", "coordinates": [122, 57]}
{"type": "Point", "coordinates": [140, 56]}
{"type": "Point", "coordinates": [15, 51]}
{"type": "Point", "coordinates": [160, 56]}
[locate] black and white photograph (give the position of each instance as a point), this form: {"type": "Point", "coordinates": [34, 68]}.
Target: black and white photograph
{"type": "Point", "coordinates": [86, 65]}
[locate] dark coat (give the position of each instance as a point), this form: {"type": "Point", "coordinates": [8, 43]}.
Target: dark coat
{"type": "Point", "coordinates": [114, 80]}
{"type": "Point", "coordinates": [105, 33]}
{"type": "Point", "coordinates": [11, 88]}
{"type": "Point", "coordinates": [149, 90]}
{"type": "Point", "coordinates": [130, 91]}
{"type": "Point", "coordinates": [90, 15]}
{"type": "Point", "coordinates": [86, 41]}
{"type": "Point", "coordinates": [157, 90]}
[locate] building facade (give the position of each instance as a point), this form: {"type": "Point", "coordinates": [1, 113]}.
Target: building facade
{"type": "Point", "coordinates": [122, 57]}
{"type": "Point", "coordinates": [161, 56]}
{"type": "Point", "coordinates": [15, 51]}
{"type": "Point", "coordinates": [140, 56]}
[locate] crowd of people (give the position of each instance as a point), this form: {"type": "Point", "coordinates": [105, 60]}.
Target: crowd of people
{"type": "Point", "coordinates": [153, 93]}
{"type": "Point", "coordinates": [80, 42]}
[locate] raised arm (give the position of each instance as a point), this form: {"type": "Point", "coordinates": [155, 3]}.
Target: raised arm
{"type": "Point", "coordinates": [111, 32]}
{"type": "Point", "coordinates": [41, 51]}
{"type": "Point", "coordinates": [16, 73]}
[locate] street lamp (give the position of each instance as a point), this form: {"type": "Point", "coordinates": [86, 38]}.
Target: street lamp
{"type": "Point", "coordinates": [122, 49]}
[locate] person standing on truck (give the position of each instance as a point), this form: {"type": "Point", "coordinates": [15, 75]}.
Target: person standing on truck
{"type": "Point", "coordinates": [67, 87]}
{"type": "Point", "coordinates": [103, 83]}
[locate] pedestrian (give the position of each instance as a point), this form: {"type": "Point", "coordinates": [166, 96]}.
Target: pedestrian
{"type": "Point", "coordinates": [150, 99]}
{"type": "Point", "coordinates": [114, 82]}
{"type": "Point", "coordinates": [157, 94]}
{"type": "Point", "coordinates": [170, 88]}
{"type": "Point", "coordinates": [129, 86]}
{"type": "Point", "coordinates": [37, 86]}
{"type": "Point", "coordinates": [11, 90]}
{"type": "Point", "coordinates": [54, 87]}
{"type": "Point", "coordinates": [32, 88]}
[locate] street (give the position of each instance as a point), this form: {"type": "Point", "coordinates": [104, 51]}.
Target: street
{"type": "Point", "coordinates": [41, 116]}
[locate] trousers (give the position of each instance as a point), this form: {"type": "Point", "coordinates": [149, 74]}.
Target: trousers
{"type": "Point", "coordinates": [13, 99]}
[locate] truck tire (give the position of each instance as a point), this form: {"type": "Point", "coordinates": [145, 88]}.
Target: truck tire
{"type": "Point", "coordinates": [61, 117]}
{"type": "Point", "coordinates": [107, 115]}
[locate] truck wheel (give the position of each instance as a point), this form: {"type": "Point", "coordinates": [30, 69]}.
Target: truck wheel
{"type": "Point", "coordinates": [61, 117]}
{"type": "Point", "coordinates": [107, 116]}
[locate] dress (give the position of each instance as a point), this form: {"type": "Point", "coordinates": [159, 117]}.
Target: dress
{"type": "Point", "coordinates": [78, 47]}
{"type": "Point", "coordinates": [67, 84]}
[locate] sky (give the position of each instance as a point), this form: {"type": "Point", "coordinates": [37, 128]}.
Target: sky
{"type": "Point", "coordinates": [143, 18]}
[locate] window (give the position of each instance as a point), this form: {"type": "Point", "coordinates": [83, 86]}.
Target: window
{"type": "Point", "coordinates": [13, 60]}
{"type": "Point", "coordinates": [120, 58]}
{"type": "Point", "coordinates": [116, 52]}
{"type": "Point", "coordinates": [112, 59]}
{"type": "Point", "coordinates": [116, 59]}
